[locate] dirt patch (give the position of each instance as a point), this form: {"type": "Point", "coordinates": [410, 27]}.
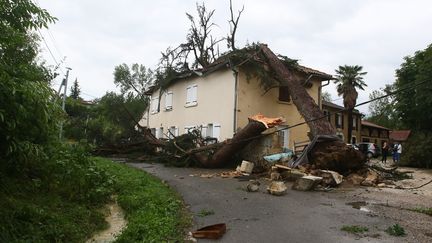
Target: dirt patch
{"type": "Point", "coordinates": [116, 221]}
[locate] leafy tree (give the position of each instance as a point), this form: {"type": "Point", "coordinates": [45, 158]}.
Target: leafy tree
{"type": "Point", "coordinates": [348, 80]}
{"type": "Point", "coordinates": [28, 117]}
{"type": "Point", "coordinates": [75, 90]}
{"type": "Point", "coordinates": [382, 111]}
{"type": "Point", "coordinates": [132, 80]}
{"type": "Point", "coordinates": [326, 96]}
{"type": "Point", "coordinates": [413, 104]}
{"type": "Point", "coordinates": [115, 117]}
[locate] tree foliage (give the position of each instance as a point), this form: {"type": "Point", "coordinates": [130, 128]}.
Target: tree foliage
{"type": "Point", "coordinates": [412, 105]}
{"type": "Point", "coordinates": [28, 117]}
{"type": "Point", "coordinates": [326, 96]}
{"type": "Point", "coordinates": [348, 80]}
{"type": "Point", "coordinates": [382, 111]}
{"type": "Point", "coordinates": [132, 80]}
{"type": "Point", "coordinates": [75, 90]}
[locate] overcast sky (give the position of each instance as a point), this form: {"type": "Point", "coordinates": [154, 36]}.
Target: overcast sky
{"type": "Point", "coordinates": [97, 35]}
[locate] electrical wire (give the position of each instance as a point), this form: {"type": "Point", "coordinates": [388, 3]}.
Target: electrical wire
{"type": "Point", "coordinates": [409, 86]}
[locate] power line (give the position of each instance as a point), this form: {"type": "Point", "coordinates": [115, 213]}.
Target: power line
{"type": "Point", "coordinates": [409, 86]}
{"type": "Point", "coordinates": [44, 41]}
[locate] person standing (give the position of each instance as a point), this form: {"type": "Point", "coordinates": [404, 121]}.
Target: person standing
{"type": "Point", "coordinates": [398, 152]}
{"type": "Point", "coordinates": [394, 152]}
{"type": "Point", "coordinates": [385, 149]}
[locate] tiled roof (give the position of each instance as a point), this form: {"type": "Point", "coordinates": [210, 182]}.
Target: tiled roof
{"type": "Point", "coordinates": [333, 105]}
{"type": "Point", "coordinates": [224, 62]}
{"type": "Point", "coordinates": [401, 135]}
{"type": "Point", "coordinates": [370, 124]}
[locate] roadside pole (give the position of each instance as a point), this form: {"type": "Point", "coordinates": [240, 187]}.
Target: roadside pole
{"type": "Point", "coordinates": [64, 83]}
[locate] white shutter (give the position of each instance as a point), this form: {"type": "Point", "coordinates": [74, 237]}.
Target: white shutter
{"type": "Point", "coordinates": [204, 131]}
{"type": "Point", "coordinates": [188, 95]}
{"type": "Point", "coordinates": [195, 93]}
{"type": "Point", "coordinates": [176, 131]}
{"type": "Point", "coordinates": [168, 101]}
{"type": "Point", "coordinates": [216, 131]}
{"type": "Point", "coordinates": [155, 103]}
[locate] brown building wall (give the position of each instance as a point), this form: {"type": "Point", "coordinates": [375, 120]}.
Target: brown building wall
{"type": "Point", "coordinates": [342, 126]}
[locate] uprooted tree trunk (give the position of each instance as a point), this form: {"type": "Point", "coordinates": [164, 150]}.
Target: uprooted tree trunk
{"type": "Point", "coordinates": [332, 155]}
{"type": "Point", "coordinates": [257, 124]}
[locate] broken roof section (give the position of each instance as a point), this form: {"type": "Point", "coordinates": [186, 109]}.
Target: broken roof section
{"type": "Point", "coordinates": [231, 60]}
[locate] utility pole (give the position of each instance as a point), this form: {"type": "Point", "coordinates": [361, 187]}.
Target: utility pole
{"type": "Point", "coordinates": [64, 83]}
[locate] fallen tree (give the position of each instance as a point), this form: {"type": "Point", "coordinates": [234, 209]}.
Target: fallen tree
{"type": "Point", "coordinates": [332, 153]}
{"type": "Point", "coordinates": [257, 124]}
{"type": "Point", "coordinates": [326, 151]}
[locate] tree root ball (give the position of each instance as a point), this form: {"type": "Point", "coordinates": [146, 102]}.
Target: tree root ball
{"type": "Point", "coordinates": [336, 156]}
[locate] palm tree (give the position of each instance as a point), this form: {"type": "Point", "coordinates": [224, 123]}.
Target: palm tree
{"type": "Point", "coordinates": [348, 79]}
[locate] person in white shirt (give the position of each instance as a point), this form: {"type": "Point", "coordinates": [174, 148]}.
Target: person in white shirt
{"type": "Point", "coordinates": [398, 152]}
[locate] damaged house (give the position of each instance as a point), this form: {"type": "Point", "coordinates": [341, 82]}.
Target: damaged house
{"type": "Point", "coordinates": [219, 99]}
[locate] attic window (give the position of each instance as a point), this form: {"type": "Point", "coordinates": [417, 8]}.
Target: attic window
{"type": "Point", "coordinates": [284, 94]}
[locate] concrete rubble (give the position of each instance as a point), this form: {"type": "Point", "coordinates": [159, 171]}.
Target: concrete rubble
{"type": "Point", "coordinates": [277, 188]}
{"type": "Point", "coordinates": [306, 183]}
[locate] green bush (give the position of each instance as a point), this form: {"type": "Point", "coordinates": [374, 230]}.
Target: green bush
{"type": "Point", "coordinates": [416, 152]}
{"type": "Point", "coordinates": [58, 201]}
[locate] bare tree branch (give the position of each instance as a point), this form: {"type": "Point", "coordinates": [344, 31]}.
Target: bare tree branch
{"type": "Point", "coordinates": [233, 22]}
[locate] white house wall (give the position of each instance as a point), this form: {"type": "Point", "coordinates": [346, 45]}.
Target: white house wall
{"type": "Point", "coordinates": [215, 104]}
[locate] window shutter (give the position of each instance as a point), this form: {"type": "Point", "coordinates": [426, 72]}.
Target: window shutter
{"type": "Point", "coordinates": [188, 95]}
{"type": "Point", "coordinates": [176, 133]}
{"type": "Point", "coordinates": [284, 94]}
{"type": "Point", "coordinates": [155, 103]}
{"type": "Point", "coordinates": [168, 100]}
{"type": "Point", "coordinates": [195, 93]}
{"type": "Point", "coordinates": [216, 131]}
{"type": "Point", "coordinates": [204, 131]}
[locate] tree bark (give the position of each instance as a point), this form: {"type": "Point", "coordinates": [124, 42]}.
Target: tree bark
{"type": "Point", "coordinates": [223, 155]}
{"type": "Point", "coordinates": [301, 99]}
{"type": "Point", "coordinates": [333, 155]}
{"type": "Point", "coordinates": [350, 125]}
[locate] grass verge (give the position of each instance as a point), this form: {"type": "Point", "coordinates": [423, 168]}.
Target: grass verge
{"type": "Point", "coordinates": [427, 211]}
{"type": "Point", "coordinates": [154, 212]}
{"type": "Point", "coordinates": [354, 229]}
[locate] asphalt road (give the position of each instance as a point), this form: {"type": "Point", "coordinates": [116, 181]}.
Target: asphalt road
{"type": "Point", "coordinates": [261, 217]}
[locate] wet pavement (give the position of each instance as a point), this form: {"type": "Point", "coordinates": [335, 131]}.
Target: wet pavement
{"type": "Point", "coordinates": [260, 217]}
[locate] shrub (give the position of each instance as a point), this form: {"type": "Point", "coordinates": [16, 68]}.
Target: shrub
{"type": "Point", "coordinates": [395, 230]}
{"type": "Point", "coordinates": [416, 152]}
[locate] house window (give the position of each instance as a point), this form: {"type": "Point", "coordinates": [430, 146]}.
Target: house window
{"type": "Point", "coordinates": [191, 95]}
{"type": "Point", "coordinates": [284, 94]}
{"type": "Point", "coordinates": [339, 120]}
{"type": "Point", "coordinates": [354, 122]}
{"type": "Point", "coordinates": [172, 132]}
{"type": "Point", "coordinates": [154, 105]}
{"type": "Point", "coordinates": [211, 130]}
{"type": "Point", "coordinates": [153, 131]}
{"type": "Point", "coordinates": [168, 101]}
{"type": "Point", "coordinates": [327, 114]}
